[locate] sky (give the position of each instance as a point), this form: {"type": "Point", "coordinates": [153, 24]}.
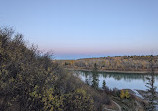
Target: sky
{"type": "Point", "coordinates": [74, 29]}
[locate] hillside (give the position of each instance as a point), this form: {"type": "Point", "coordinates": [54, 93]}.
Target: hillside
{"type": "Point", "coordinates": [30, 81]}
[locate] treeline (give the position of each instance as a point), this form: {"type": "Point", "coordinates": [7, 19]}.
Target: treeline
{"type": "Point", "coordinates": [29, 80]}
{"type": "Point", "coordinates": [118, 63]}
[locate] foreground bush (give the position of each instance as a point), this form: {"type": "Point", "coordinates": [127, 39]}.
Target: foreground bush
{"type": "Point", "coordinates": [29, 80]}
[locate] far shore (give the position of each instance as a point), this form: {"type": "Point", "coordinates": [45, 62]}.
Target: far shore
{"type": "Point", "coordinates": [114, 71]}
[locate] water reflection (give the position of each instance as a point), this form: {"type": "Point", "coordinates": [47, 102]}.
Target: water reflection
{"type": "Point", "coordinates": [117, 80]}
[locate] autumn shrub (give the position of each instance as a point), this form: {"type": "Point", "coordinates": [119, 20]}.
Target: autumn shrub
{"type": "Point", "coordinates": [124, 94]}
{"type": "Point", "coordinates": [29, 80]}
{"type": "Point", "coordinates": [79, 100]}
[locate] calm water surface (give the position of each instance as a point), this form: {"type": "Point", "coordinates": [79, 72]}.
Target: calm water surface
{"type": "Point", "coordinates": [117, 80]}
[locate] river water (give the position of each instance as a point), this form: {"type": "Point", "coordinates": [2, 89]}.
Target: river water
{"type": "Point", "coordinates": [117, 80]}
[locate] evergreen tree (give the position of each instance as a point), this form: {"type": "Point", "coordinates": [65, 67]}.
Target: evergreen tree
{"type": "Point", "coordinates": [86, 81]}
{"type": "Point", "coordinates": [94, 77]}
{"type": "Point", "coordinates": [104, 85]}
{"type": "Point", "coordinates": [151, 91]}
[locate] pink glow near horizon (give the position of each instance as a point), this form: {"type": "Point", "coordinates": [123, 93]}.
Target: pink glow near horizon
{"type": "Point", "coordinates": [95, 51]}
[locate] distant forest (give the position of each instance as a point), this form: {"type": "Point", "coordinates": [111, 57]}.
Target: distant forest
{"type": "Point", "coordinates": [117, 63]}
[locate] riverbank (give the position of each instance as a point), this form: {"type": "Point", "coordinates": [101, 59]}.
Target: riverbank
{"type": "Point", "coordinates": [137, 102]}
{"type": "Point", "coordinates": [133, 103]}
{"type": "Point", "coordinates": [112, 71]}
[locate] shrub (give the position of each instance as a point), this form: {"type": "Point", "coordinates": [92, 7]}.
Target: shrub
{"type": "Point", "coordinates": [29, 80]}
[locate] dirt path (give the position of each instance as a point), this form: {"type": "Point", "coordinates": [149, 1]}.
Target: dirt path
{"type": "Point", "coordinates": [119, 108]}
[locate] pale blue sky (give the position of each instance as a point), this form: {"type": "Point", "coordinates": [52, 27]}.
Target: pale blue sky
{"type": "Point", "coordinates": [85, 28]}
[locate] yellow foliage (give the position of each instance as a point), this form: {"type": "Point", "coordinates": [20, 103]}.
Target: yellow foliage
{"type": "Point", "coordinates": [83, 92]}
{"type": "Point", "coordinates": [127, 95]}
{"type": "Point", "coordinates": [122, 95]}
{"type": "Point", "coordinates": [51, 102]}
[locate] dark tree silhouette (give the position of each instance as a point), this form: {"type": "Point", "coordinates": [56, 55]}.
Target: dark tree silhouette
{"type": "Point", "coordinates": [151, 91]}
{"type": "Point", "coordinates": [94, 77]}
{"type": "Point", "coordinates": [104, 85]}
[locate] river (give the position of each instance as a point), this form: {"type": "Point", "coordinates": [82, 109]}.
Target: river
{"type": "Point", "coordinates": [117, 80]}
